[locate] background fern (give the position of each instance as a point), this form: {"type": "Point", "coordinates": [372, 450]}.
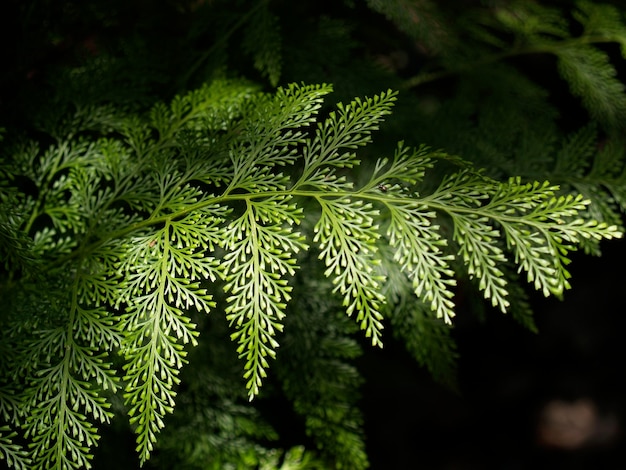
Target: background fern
{"type": "Point", "coordinates": [131, 207]}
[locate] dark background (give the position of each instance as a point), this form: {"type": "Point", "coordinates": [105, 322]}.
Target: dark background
{"type": "Point", "coordinates": [507, 378]}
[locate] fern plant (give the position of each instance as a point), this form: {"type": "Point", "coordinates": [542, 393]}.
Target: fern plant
{"type": "Point", "coordinates": [131, 232]}
{"type": "Point", "coordinates": [273, 212]}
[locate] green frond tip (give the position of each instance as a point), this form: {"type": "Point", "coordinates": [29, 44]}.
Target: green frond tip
{"type": "Point", "coordinates": [261, 251]}
{"type": "Point", "coordinates": [527, 219]}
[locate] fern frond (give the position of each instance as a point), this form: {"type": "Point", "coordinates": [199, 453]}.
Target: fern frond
{"type": "Point", "coordinates": [534, 225]}
{"type": "Point", "coordinates": [418, 247]}
{"type": "Point", "coordinates": [347, 236]}
{"type": "Point", "coordinates": [145, 225]}
{"type": "Point", "coordinates": [475, 236]}
{"type": "Point", "coordinates": [161, 286]}
{"type": "Point", "coordinates": [66, 377]}
{"type": "Point", "coordinates": [346, 129]}
{"type": "Point", "coordinates": [270, 123]}
{"type": "Point", "coordinates": [125, 221]}
{"type": "Point", "coordinates": [261, 252]}
{"type": "Point", "coordinates": [419, 253]}
{"type": "Point", "coordinates": [594, 80]}
{"type": "Point", "coordinates": [12, 453]}
{"type": "Point", "coordinates": [601, 21]}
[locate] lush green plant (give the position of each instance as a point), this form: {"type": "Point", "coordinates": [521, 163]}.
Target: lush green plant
{"type": "Point", "coordinates": [124, 222]}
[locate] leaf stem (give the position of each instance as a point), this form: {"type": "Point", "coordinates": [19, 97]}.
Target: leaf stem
{"type": "Point", "coordinates": [429, 202]}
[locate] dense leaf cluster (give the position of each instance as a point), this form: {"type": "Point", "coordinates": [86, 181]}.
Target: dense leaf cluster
{"type": "Point", "coordinates": [123, 225]}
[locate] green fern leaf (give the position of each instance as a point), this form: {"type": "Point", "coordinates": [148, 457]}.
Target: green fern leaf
{"type": "Point", "coordinates": [143, 224]}
{"type": "Point", "coordinates": [12, 453]}
{"type": "Point", "coordinates": [260, 253]}
{"type": "Point", "coordinates": [66, 377]}
{"type": "Point", "coordinates": [348, 128]}
{"type": "Point", "coordinates": [162, 284]}
{"type": "Point", "coordinates": [347, 236]}
{"type": "Point", "coordinates": [594, 80]}
{"type": "Point", "coordinates": [601, 21]}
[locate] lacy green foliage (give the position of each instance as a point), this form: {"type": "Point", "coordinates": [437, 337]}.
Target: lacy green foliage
{"type": "Point", "coordinates": [121, 229]}
{"type": "Point", "coordinates": [134, 230]}
{"type": "Point", "coordinates": [595, 169]}
{"type": "Point", "coordinates": [581, 163]}
{"type": "Point", "coordinates": [12, 453]}
{"type": "Point", "coordinates": [428, 339]}
{"type": "Point", "coordinates": [214, 426]}
{"type": "Point", "coordinates": [500, 119]}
